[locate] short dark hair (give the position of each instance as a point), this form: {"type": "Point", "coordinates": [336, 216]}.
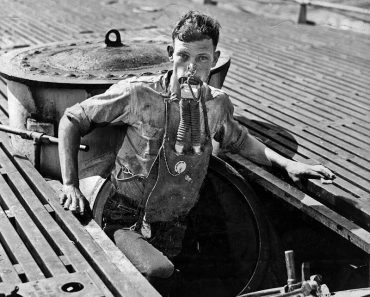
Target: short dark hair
{"type": "Point", "coordinates": [194, 26]}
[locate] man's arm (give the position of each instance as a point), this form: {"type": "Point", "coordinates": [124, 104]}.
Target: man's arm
{"type": "Point", "coordinates": [236, 139]}
{"type": "Point", "coordinates": [69, 142]}
{"type": "Point", "coordinates": [111, 107]}
{"type": "Point", "coordinates": [256, 151]}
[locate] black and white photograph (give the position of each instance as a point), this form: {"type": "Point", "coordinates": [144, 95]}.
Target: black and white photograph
{"type": "Point", "coordinates": [194, 148]}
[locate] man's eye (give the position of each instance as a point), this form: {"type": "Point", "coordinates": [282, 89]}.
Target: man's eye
{"type": "Point", "coordinates": [183, 56]}
{"type": "Point", "coordinates": [203, 59]}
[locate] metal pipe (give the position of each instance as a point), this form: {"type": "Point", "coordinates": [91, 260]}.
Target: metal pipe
{"type": "Point", "coordinates": [290, 268]}
{"type": "Point", "coordinates": [36, 136]}
{"type": "Point", "coordinates": [262, 293]}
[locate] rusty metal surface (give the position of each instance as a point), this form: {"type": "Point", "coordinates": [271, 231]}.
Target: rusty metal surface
{"type": "Point", "coordinates": [87, 61]}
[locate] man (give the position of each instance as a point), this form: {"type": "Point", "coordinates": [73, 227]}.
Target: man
{"type": "Point", "coordinates": [170, 122]}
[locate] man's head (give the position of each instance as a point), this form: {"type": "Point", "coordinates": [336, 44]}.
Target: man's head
{"type": "Point", "coordinates": [195, 39]}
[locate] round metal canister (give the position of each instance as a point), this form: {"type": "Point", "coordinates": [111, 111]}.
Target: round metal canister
{"type": "Point", "coordinates": [44, 80]}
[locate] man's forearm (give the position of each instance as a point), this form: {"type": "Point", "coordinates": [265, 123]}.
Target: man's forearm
{"type": "Point", "coordinates": [257, 152]}
{"type": "Point", "coordinates": [69, 142]}
{"type": "Point", "coordinates": [277, 159]}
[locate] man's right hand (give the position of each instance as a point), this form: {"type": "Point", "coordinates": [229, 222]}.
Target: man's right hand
{"type": "Point", "coordinates": [72, 198]}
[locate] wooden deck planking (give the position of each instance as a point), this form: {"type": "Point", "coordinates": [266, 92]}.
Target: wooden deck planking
{"type": "Point", "coordinates": [8, 274]}
{"type": "Point", "coordinates": [42, 217]}
{"type": "Point", "coordinates": [344, 185]}
{"type": "Point", "coordinates": [35, 218]}
{"type": "Point", "coordinates": [302, 94]}
{"type": "Point", "coordinates": [299, 78]}
{"type": "Point", "coordinates": [298, 56]}
{"type": "Point", "coordinates": [271, 96]}
{"type": "Point", "coordinates": [299, 53]}
{"type": "Point", "coordinates": [356, 127]}
{"type": "Point", "coordinates": [317, 38]}
{"type": "Point", "coordinates": [123, 283]}
{"type": "Point", "coordinates": [52, 244]}
{"type": "Point", "coordinates": [354, 187]}
{"type": "Point", "coordinates": [44, 255]}
{"type": "Point", "coordinates": [311, 149]}
{"type": "Point", "coordinates": [24, 9]}
{"type": "Point", "coordinates": [305, 153]}
{"type": "Point", "coordinates": [314, 130]}
{"type": "Point", "coordinates": [19, 28]}
{"type": "Point", "coordinates": [298, 87]}
{"type": "Point", "coordinates": [17, 250]}
{"type": "Point", "coordinates": [297, 65]}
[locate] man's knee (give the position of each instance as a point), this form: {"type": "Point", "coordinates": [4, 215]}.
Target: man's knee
{"type": "Point", "coordinates": [144, 256]}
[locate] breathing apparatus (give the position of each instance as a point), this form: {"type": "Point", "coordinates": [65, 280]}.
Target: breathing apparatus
{"type": "Point", "coordinates": [190, 87]}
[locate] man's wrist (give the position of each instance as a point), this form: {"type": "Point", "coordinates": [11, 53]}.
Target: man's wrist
{"type": "Point", "coordinates": [288, 164]}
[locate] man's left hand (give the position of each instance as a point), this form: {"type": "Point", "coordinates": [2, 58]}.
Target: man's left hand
{"type": "Point", "coordinates": [298, 171]}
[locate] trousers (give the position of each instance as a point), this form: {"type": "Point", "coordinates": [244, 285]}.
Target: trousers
{"type": "Point", "coordinates": [150, 256]}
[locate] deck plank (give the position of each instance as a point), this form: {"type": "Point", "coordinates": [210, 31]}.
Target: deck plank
{"type": "Point", "coordinates": [8, 274]}
{"type": "Point", "coordinates": [13, 242]}
{"type": "Point", "coordinates": [45, 256]}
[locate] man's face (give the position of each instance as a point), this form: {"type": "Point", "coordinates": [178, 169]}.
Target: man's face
{"type": "Point", "coordinates": [197, 57]}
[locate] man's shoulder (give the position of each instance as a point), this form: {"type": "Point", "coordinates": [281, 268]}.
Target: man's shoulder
{"type": "Point", "coordinates": [219, 102]}
{"type": "Point", "coordinates": [218, 96]}
{"type": "Point", "coordinates": [217, 93]}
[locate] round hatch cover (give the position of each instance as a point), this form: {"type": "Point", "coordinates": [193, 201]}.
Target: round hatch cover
{"type": "Point", "coordinates": [87, 62]}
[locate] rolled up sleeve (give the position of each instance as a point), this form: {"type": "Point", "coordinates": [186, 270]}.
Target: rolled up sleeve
{"type": "Point", "coordinates": [111, 107]}
{"type": "Point", "coordinates": [236, 138]}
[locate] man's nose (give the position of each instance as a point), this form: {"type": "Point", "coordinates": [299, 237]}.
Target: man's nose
{"type": "Point", "coordinates": [192, 67]}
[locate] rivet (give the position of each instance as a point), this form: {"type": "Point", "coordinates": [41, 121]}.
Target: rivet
{"type": "Point", "coordinates": [37, 52]}
{"type": "Point", "coordinates": [72, 44]}
{"type": "Point", "coordinates": [33, 68]}
{"type": "Point", "coordinates": [109, 75]}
